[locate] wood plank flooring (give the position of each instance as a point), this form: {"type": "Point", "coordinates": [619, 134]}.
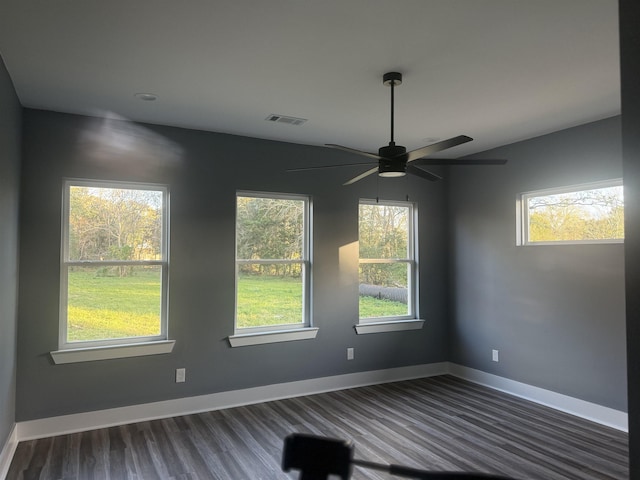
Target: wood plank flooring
{"type": "Point", "coordinates": [437, 423]}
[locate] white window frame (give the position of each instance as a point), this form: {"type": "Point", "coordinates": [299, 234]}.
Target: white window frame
{"type": "Point", "coordinates": [522, 212]}
{"type": "Point", "coordinates": [304, 330]}
{"type": "Point", "coordinates": [409, 321]}
{"type": "Point", "coordinates": [77, 351]}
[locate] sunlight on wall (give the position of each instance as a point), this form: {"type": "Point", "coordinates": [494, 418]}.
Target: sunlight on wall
{"type": "Point", "coordinates": [113, 141]}
{"type": "Point", "coordinates": [348, 264]}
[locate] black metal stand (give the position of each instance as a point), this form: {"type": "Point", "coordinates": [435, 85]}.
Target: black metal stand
{"type": "Point", "coordinates": [318, 457]}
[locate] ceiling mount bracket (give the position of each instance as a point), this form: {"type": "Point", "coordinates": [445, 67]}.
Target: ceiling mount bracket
{"type": "Point", "coordinates": [392, 78]}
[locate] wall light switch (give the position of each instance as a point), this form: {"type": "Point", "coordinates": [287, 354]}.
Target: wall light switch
{"type": "Point", "coordinates": [494, 356]}
{"type": "Point", "coordinates": [350, 353]}
{"type": "Point", "coordinates": [181, 375]}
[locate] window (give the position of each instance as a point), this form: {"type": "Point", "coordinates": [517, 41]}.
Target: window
{"type": "Point", "coordinates": [114, 264]}
{"type": "Point", "coordinates": [588, 213]}
{"type": "Point", "coordinates": [272, 263]}
{"type": "Point", "coordinates": [387, 265]}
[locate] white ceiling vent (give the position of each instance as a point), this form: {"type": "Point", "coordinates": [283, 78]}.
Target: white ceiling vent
{"type": "Point", "coordinates": [284, 119]}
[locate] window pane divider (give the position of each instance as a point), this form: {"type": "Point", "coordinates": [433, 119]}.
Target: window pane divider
{"type": "Point", "coordinates": [83, 263]}
{"type": "Point", "coordinates": [386, 260]}
{"type": "Point", "coordinates": [269, 262]}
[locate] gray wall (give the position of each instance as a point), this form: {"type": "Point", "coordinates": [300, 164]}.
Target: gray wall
{"type": "Point", "coordinates": [555, 313]}
{"type": "Point", "coordinates": [10, 119]}
{"type": "Point", "coordinates": [203, 171]}
{"type": "Point", "coordinates": [630, 72]}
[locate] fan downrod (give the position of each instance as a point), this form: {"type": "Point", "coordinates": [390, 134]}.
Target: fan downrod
{"type": "Point", "coordinates": [394, 160]}
{"type": "Point", "coordinates": [391, 79]}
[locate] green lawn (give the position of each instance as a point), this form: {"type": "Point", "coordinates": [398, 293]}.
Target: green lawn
{"type": "Point", "coordinates": [104, 306]}
{"type": "Point", "coordinates": [264, 301]}
{"type": "Point", "coordinates": [371, 307]}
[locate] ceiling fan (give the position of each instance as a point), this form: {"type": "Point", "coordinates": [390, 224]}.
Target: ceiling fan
{"type": "Point", "coordinates": [394, 161]}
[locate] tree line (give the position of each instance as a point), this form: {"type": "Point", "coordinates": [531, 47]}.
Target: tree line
{"type": "Point", "coordinates": [383, 234]}
{"type": "Point", "coordinates": [587, 215]}
{"type": "Point", "coordinates": [107, 224]}
{"type": "Point", "coordinates": [270, 229]}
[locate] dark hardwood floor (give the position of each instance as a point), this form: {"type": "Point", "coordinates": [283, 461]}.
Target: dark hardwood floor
{"type": "Point", "coordinates": [438, 423]}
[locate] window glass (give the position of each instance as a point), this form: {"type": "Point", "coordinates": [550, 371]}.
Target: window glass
{"type": "Point", "coordinates": [387, 263]}
{"type": "Point", "coordinates": [114, 264]}
{"type": "Point", "coordinates": [271, 261]}
{"type": "Point", "coordinates": [581, 214]}
{"type": "Point", "coordinates": [108, 303]}
{"type": "Point", "coordinates": [384, 231]}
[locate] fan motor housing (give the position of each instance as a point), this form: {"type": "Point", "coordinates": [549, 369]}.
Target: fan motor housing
{"type": "Point", "coordinates": [393, 162]}
{"type": "Point", "coordinates": [387, 168]}
{"type": "Point", "coordinates": [392, 150]}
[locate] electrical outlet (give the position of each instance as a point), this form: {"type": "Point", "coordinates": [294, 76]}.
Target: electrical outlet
{"type": "Point", "coordinates": [495, 355]}
{"type": "Point", "coordinates": [181, 375]}
{"type": "Point", "coordinates": [350, 353]}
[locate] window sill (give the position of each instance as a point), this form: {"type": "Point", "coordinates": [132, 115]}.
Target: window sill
{"type": "Point", "coordinates": [609, 241]}
{"type": "Point", "coordinates": [89, 354]}
{"type": "Point", "coordinates": [394, 326]}
{"type": "Point", "coordinates": [245, 339]}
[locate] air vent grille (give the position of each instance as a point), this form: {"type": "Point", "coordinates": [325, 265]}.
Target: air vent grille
{"type": "Point", "coordinates": [286, 119]}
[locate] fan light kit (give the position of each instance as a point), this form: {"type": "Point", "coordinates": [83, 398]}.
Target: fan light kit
{"type": "Point", "coordinates": [394, 161]}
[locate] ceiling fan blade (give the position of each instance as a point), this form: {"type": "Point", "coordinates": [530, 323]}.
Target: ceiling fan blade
{"type": "Point", "coordinates": [437, 147]}
{"type": "Point", "coordinates": [302, 169]}
{"type": "Point", "coordinates": [459, 161]}
{"type": "Point", "coordinates": [423, 173]}
{"type": "Point", "coordinates": [353, 150]}
{"type": "Point", "coordinates": [361, 176]}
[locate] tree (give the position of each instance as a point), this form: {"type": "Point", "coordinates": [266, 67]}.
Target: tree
{"type": "Point", "coordinates": [114, 224]}
{"type": "Point", "coordinates": [383, 234]}
{"type": "Point", "coordinates": [270, 228]}
{"type": "Point", "coordinates": [584, 215]}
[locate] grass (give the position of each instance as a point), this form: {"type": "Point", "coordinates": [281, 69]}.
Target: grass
{"type": "Point", "coordinates": [102, 307]}
{"type": "Point", "coordinates": [264, 301]}
{"type": "Point", "coordinates": [371, 307]}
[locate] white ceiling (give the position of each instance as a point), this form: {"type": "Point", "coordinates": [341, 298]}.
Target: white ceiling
{"type": "Point", "coordinates": [497, 70]}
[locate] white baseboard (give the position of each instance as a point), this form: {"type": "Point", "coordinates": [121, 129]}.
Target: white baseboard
{"type": "Point", "coordinates": [6, 454]}
{"type": "Point", "coordinates": [580, 408]}
{"type": "Point", "coordinates": [80, 422]}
